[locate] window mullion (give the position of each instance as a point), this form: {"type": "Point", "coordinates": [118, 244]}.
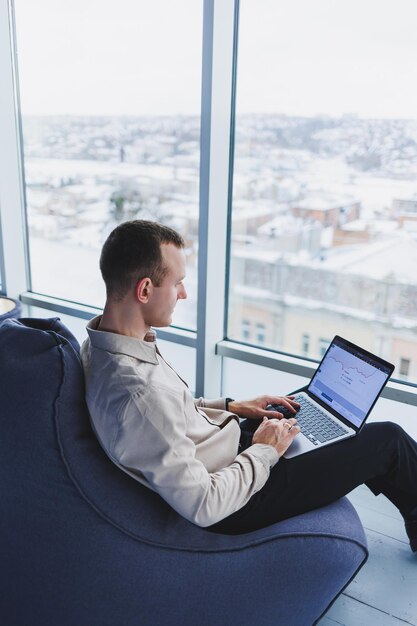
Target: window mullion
{"type": "Point", "coordinates": [214, 180]}
{"type": "Point", "coordinates": [13, 224]}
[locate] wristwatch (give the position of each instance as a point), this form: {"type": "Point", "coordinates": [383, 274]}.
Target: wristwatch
{"type": "Point", "coordinates": [227, 402]}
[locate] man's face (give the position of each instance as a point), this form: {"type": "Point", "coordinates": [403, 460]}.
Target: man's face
{"type": "Point", "coordinates": [162, 303]}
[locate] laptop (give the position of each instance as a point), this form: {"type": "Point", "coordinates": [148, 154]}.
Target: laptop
{"type": "Point", "coordinates": [340, 396]}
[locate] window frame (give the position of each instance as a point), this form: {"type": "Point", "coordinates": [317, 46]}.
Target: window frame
{"type": "Point", "coordinates": [13, 225]}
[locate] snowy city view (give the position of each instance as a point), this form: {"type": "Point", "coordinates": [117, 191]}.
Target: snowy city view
{"type": "Point", "coordinates": [324, 220]}
{"type": "Point", "coordinates": [85, 175]}
{"type": "Point", "coordinates": [324, 235]}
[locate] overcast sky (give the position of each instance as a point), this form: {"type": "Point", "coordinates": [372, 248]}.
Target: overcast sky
{"type": "Point", "coordinates": [136, 57]}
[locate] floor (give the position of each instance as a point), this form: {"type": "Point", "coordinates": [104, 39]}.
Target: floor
{"type": "Point", "coordinates": [384, 592]}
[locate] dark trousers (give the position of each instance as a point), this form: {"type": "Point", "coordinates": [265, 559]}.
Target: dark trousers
{"type": "Point", "coordinates": [382, 455]}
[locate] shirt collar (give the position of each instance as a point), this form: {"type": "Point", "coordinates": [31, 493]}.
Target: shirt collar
{"type": "Point", "coordinates": [121, 344]}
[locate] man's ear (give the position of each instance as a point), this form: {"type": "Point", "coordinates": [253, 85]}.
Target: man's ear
{"type": "Point", "coordinates": [144, 290]}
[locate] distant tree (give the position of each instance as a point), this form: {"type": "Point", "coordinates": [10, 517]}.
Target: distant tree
{"type": "Point", "coordinates": [125, 204]}
{"type": "Point", "coordinates": [128, 203]}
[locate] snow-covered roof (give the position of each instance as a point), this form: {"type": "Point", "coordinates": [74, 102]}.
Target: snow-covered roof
{"type": "Point", "coordinates": [321, 203]}
{"type": "Point", "coordinates": [391, 258]}
{"type": "Point", "coordinates": [381, 226]}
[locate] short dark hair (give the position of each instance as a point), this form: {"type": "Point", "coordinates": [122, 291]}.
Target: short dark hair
{"type": "Point", "coordinates": [131, 252]}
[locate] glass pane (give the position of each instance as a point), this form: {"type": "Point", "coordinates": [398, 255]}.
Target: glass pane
{"type": "Point", "coordinates": [257, 380]}
{"type": "Point", "coordinates": [110, 98]}
{"type": "Point", "coordinates": [324, 221]}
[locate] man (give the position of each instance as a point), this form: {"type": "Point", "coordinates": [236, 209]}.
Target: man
{"type": "Point", "coordinates": [212, 469]}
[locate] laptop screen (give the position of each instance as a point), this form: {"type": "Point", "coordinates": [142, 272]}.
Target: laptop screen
{"type": "Point", "coordinates": [349, 380]}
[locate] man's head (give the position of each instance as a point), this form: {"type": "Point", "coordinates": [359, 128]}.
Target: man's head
{"type": "Point", "coordinates": [134, 251]}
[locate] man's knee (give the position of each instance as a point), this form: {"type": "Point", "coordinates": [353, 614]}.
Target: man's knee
{"type": "Point", "coordinates": [389, 428]}
{"type": "Point", "coordinates": [393, 428]}
{"type": "Point", "coordinates": [382, 433]}
{"type": "Point", "coordinates": [391, 436]}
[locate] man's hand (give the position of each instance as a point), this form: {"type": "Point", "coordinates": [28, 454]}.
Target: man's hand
{"type": "Point", "coordinates": [255, 409]}
{"type": "Point", "coordinates": [276, 433]}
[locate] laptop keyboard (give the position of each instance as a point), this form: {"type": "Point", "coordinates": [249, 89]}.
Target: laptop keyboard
{"type": "Point", "coordinates": [315, 423]}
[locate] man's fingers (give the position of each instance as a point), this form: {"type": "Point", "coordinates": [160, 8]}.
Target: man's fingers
{"type": "Point", "coordinates": [291, 421]}
{"type": "Point", "coordinates": [277, 433]}
{"type": "Point", "coordinates": [290, 403]}
{"type": "Point", "coordinates": [291, 425]}
{"type": "Point", "coordinates": [278, 415]}
{"type": "Point", "coordinates": [287, 401]}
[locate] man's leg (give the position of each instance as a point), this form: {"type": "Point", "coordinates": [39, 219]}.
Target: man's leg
{"type": "Point", "coordinates": [382, 456]}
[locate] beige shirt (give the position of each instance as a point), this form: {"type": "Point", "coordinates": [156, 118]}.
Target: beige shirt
{"type": "Point", "coordinates": [149, 424]}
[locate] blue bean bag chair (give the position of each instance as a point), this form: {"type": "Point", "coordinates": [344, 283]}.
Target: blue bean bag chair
{"type": "Point", "coordinates": [84, 544]}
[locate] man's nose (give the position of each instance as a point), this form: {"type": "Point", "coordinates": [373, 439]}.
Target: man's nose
{"type": "Point", "coordinates": [182, 295]}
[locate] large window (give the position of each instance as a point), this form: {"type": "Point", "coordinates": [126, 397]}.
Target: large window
{"type": "Point", "coordinates": [110, 100]}
{"type": "Point", "coordinates": [323, 226]}
{"type": "Point", "coordinates": [324, 217]}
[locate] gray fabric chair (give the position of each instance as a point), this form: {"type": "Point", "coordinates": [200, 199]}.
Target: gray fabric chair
{"type": "Point", "coordinates": [81, 543]}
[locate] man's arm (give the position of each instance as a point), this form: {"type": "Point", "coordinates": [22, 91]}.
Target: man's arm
{"type": "Point", "coordinates": [255, 409]}
{"type": "Point", "coordinates": [252, 409]}
{"type": "Point", "coordinates": [152, 443]}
